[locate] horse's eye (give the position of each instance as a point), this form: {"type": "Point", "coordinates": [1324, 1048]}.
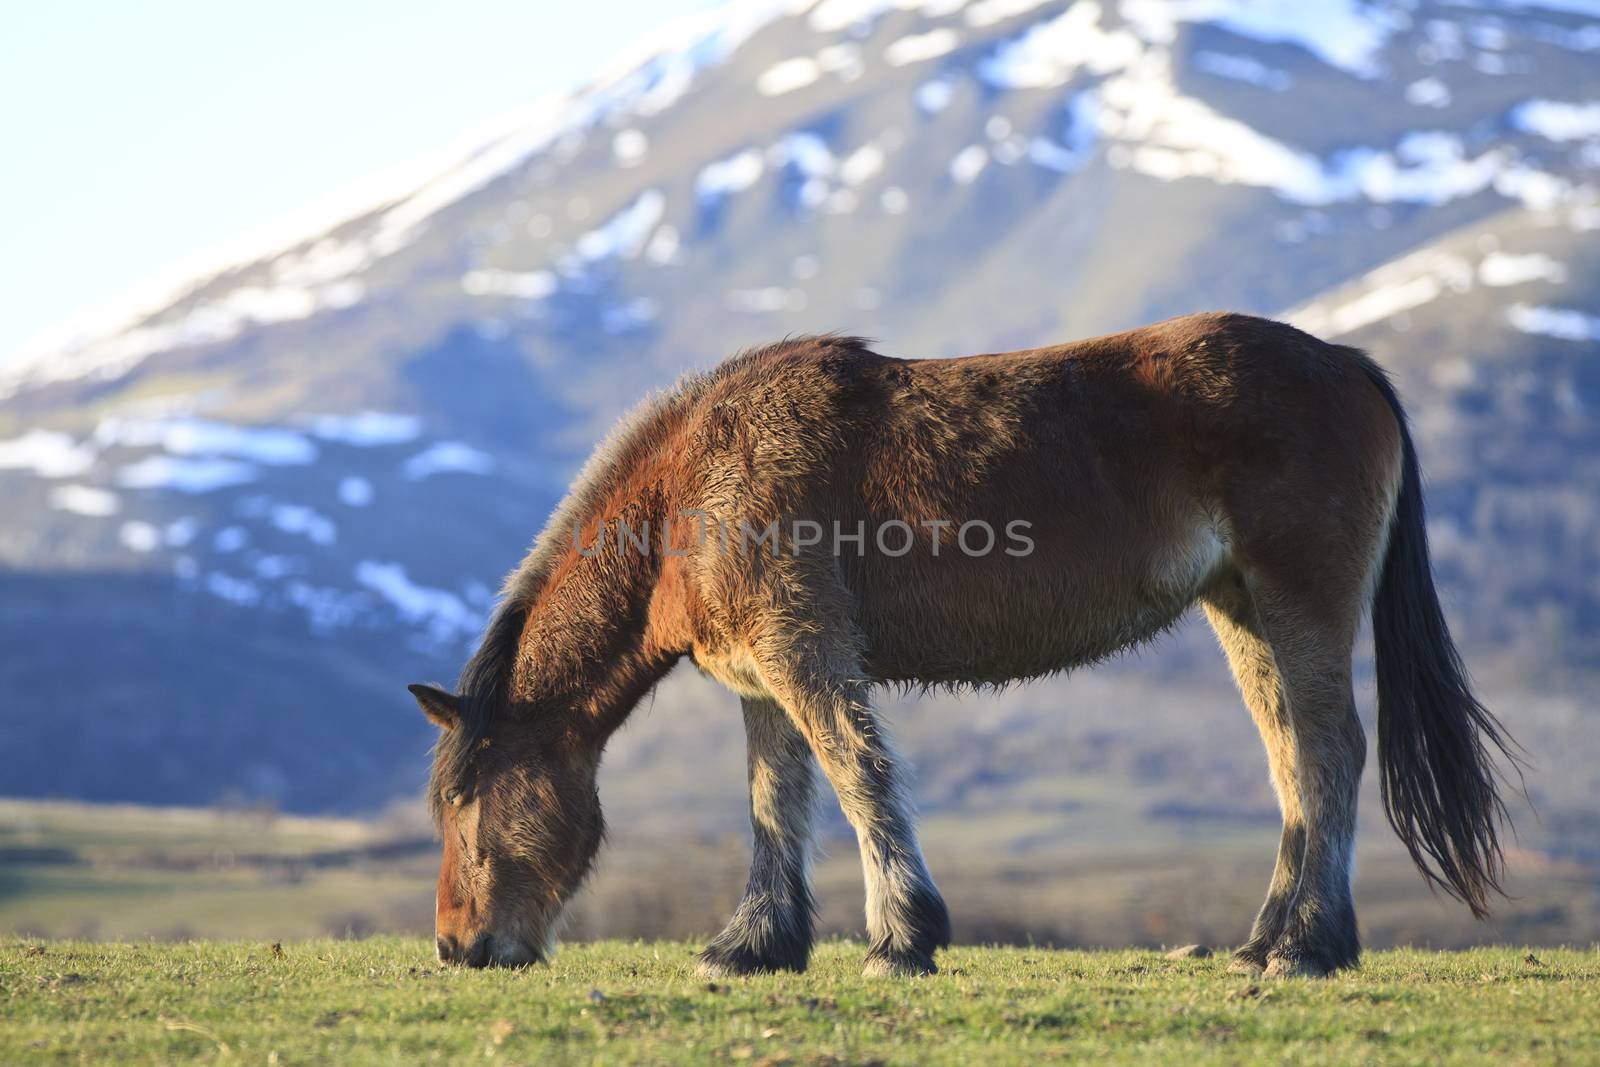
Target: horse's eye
{"type": "Point", "coordinates": [453, 798]}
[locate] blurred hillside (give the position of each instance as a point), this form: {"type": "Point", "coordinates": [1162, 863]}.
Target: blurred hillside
{"type": "Point", "coordinates": [130, 873]}
{"type": "Point", "coordinates": [242, 512]}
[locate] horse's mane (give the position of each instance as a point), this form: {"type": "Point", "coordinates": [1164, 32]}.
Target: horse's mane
{"type": "Point", "coordinates": [487, 675]}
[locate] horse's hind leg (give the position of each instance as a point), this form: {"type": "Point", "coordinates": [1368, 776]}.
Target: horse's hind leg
{"type": "Point", "coordinates": [1319, 934]}
{"type": "Point", "coordinates": [771, 929]}
{"type": "Point", "coordinates": [1317, 750]}
{"type": "Point", "coordinates": [1233, 616]}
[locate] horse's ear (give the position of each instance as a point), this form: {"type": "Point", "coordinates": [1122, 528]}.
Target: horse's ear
{"type": "Point", "coordinates": [444, 709]}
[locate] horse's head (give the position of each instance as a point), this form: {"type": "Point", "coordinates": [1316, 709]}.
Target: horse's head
{"type": "Point", "coordinates": [515, 802]}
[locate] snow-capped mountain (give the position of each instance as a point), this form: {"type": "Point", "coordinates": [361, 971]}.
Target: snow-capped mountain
{"type": "Point", "coordinates": [244, 507]}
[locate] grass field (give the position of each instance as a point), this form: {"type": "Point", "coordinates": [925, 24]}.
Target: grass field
{"type": "Point", "coordinates": [385, 1001]}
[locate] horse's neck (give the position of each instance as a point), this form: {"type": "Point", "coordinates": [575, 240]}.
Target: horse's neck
{"type": "Point", "coordinates": [587, 643]}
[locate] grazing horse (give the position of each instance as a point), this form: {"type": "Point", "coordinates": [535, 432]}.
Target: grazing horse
{"type": "Point", "coordinates": [810, 520]}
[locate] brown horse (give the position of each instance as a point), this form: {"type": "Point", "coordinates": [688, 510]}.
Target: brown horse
{"type": "Point", "coordinates": [811, 519]}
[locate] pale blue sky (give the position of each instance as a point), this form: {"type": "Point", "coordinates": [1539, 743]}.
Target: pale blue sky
{"type": "Point", "coordinates": [134, 135]}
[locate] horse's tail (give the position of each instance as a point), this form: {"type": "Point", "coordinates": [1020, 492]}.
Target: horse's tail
{"type": "Point", "coordinates": [1435, 740]}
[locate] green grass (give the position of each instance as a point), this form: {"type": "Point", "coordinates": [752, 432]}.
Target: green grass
{"type": "Point", "coordinates": [386, 1001]}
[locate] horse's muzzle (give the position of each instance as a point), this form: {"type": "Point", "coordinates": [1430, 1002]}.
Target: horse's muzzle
{"type": "Point", "coordinates": [453, 952]}
{"type": "Point", "coordinates": [485, 951]}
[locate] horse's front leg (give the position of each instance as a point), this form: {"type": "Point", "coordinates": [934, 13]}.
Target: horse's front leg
{"type": "Point", "coordinates": [906, 917]}
{"type": "Point", "coordinates": [771, 928]}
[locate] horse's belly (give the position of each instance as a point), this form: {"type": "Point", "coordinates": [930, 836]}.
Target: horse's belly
{"type": "Point", "coordinates": [999, 621]}
{"type": "Point", "coordinates": [947, 648]}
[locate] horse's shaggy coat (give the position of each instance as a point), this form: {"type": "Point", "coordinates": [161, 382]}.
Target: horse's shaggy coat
{"type": "Point", "coordinates": [1214, 459]}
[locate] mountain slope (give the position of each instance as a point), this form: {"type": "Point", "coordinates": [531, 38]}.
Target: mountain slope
{"type": "Point", "coordinates": [240, 519]}
{"type": "Point", "coordinates": [1493, 331]}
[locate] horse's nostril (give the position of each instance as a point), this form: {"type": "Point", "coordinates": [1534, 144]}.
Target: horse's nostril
{"type": "Point", "coordinates": [447, 949]}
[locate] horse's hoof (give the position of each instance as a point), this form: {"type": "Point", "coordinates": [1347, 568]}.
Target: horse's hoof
{"type": "Point", "coordinates": [1296, 967]}
{"type": "Point", "coordinates": [722, 961]}
{"type": "Point", "coordinates": [717, 962]}
{"type": "Point", "coordinates": [1246, 964]}
{"type": "Point", "coordinates": [898, 964]}
{"type": "Point", "coordinates": [709, 966]}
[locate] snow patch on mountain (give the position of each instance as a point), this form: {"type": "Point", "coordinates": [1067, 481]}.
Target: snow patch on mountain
{"type": "Point", "coordinates": [1081, 134]}
{"type": "Point", "coordinates": [625, 233]}
{"type": "Point", "coordinates": [934, 96]}
{"type": "Point", "coordinates": [1173, 136]}
{"type": "Point", "coordinates": [832, 16]}
{"type": "Point", "coordinates": [356, 491]}
{"type": "Point", "coordinates": [180, 532]}
{"type": "Point", "coordinates": [842, 60]}
{"type": "Point", "coordinates": [629, 147]}
{"type": "Point", "coordinates": [139, 536]}
{"type": "Point", "coordinates": [920, 47]}
{"type": "Point", "coordinates": [1169, 136]}
{"type": "Point", "coordinates": [1243, 69]}
{"type": "Point", "coordinates": [445, 457]}
{"type": "Point", "coordinates": [967, 164]}
{"type": "Point", "coordinates": [787, 75]}
{"type": "Point", "coordinates": [766, 300]}
{"type": "Point", "coordinates": [304, 521]}
{"type": "Point", "coordinates": [1574, 7]}
{"type": "Point", "coordinates": [1052, 52]}
{"type": "Point", "coordinates": [1346, 34]}
{"type": "Point", "coordinates": [1422, 277]}
{"type": "Point", "coordinates": [367, 429]}
{"type": "Point", "coordinates": [1388, 291]}
{"type": "Point", "coordinates": [734, 174]}
{"type": "Point", "coordinates": [113, 354]}
{"type": "Point", "coordinates": [46, 453]}
{"type": "Point", "coordinates": [185, 475]}
{"type": "Point", "coordinates": [184, 436]}
{"type": "Point", "coordinates": [443, 614]}
{"type": "Point", "coordinates": [86, 500]}
{"type": "Point", "coordinates": [239, 591]}
{"type": "Point", "coordinates": [1504, 268]}
{"type": "Point", "coordinates": [525, 285]}
{"type": "Point", "coordinates": [1556, 120]}
{"type": "Point", "coordinates": [807, 152]}
{"type": "Point", "coordinates": [989, 12]}
{"type": "Point", "coordinates": [1428, 92]}
{"type": "Point", "coordinates": [1566, 324]}
{"type": "Point", "coordinates": [862, 164]}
